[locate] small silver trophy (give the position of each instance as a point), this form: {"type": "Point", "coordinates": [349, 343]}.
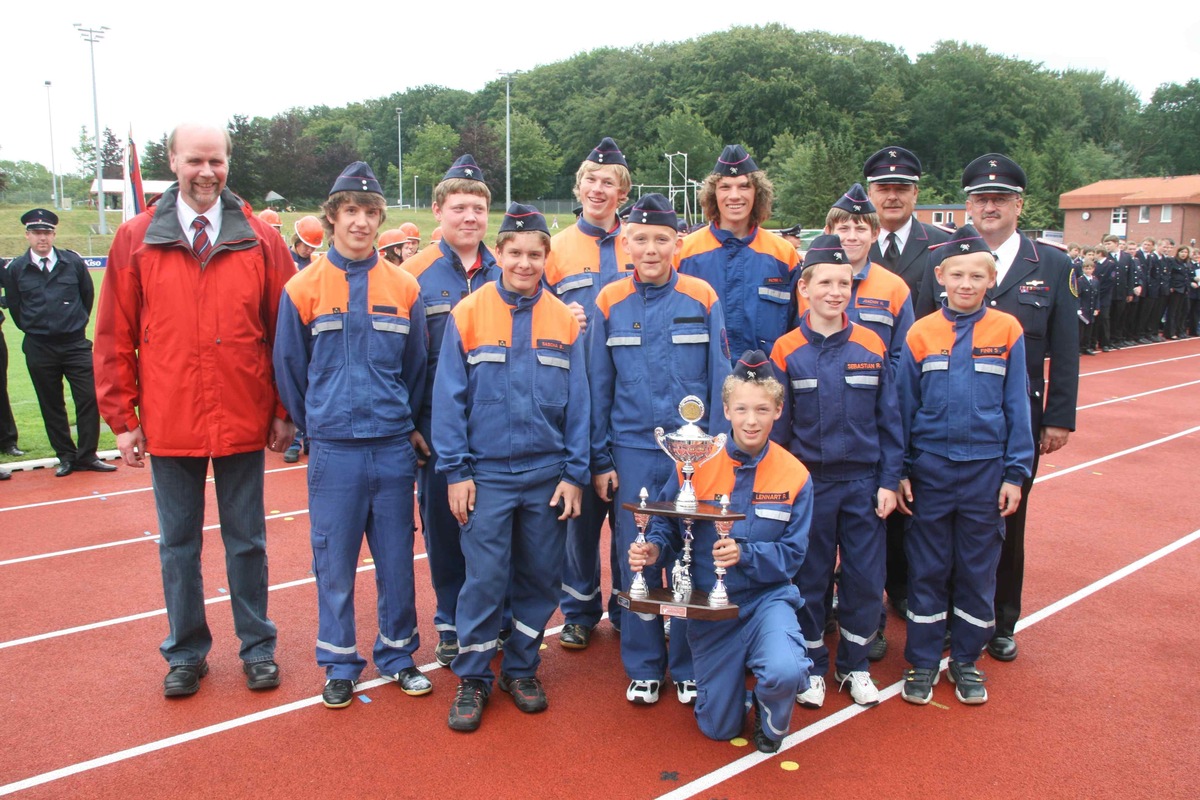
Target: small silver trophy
{"type": "Point", "coordinates": [719, 596]}
{"type": "Point", "coordinates": [689, 446]}
{"type": "Point", "coordinates": [638, 589]}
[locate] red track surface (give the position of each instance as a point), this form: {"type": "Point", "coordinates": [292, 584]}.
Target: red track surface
{"type": "Point", "coordinates": [1099, 704]}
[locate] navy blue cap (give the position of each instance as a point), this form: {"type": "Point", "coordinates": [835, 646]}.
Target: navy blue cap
{"type": "Point", "coordinates": [826, 249]}
{"type": "Point", "coordinates": [622, 212]}
{"type": "Point", "coordinates": [734, 161]}
{"type": "Point", "coordinates": [523, 219]}
{"type": "Point", "coordinates": [965, 240]}
{"type": "Point", "coordinates": [993, 173]}
{"type": "Point", "coordinates": [607, 153]}
{"type": "Point", "coordinates": [753, 366]}
{"type": "Point", "coordinates": [39, 219]}
{"type": "Point", "coordinates": [357, 177]}
{"type": "Point", "coordinates": [464, 167]}
{"type": "Point", "coordinates": [893, 165]}
{"type": "Point", "coordinates": [654, 209]}
{"type": "Point", "coordinates": [855, 201]}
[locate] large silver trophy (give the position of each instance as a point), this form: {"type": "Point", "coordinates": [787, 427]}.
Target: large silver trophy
{"type": "Point", "coordinates": [689, 447]}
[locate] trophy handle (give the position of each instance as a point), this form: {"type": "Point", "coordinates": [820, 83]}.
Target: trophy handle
{"type": "Point", "coordinates": [660, 437]}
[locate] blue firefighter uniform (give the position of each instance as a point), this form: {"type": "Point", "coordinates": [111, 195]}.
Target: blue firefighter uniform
{"type": "Point", "coordinates": [774, 491]}
{"type": "Point", "coordinates": [583, 260]}
{"type": "Point", "coordinates": [510, 413]}
{"type": "Point", "coordinates": [755, 278]}
{"type": "Point", "coordinates": [841, 419]}
{"type": "Point", "coordinates": [444, 282]}
{"type": "Point", "coordinates": [648, 348]}
{"type": "Point", "coordinates": [350, 363]}
{"type": "Point", "coordinates": [964, 402]}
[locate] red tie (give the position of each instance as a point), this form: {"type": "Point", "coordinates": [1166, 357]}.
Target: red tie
{"type": "Point", "coordinates": [200, 243]}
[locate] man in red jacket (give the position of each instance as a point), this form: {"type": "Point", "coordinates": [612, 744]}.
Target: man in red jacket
{"type": "Point", "coordinates": [183, 371]}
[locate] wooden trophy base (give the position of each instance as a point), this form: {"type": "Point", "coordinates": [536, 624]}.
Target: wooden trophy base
{"type": "Point", "coordinates": [663, 603]}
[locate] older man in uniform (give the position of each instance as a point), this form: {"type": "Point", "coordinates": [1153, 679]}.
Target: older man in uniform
{"type": "Point", "coordinates": [893, 175]}
{"type": "Point", "coordinates": [1033, 283]}
{"type": "Point", "coordinates": [50, 295]}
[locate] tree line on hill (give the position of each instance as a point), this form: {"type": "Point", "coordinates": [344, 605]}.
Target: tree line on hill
{"type": "Point", "coordinates": [810, 106]}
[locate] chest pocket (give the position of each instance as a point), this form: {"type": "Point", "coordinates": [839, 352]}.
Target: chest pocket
{"type": "Point", "coordinates": [487, 374]}
{"type": "Point", "coordinates": [328, 342]}
{"type": "Point", "coordinates": [862, 387]}
{"type": "Point", "coordinates": [1033, 310]}
{"type": "Point", "coordinates": [770, 321]}
{"type": "Point", "coordinates": [437, 308]}
{"type": "Point", "coordinates": [551, 380]}
{"type": "Point", "coordinates": [987, 390]}
{"type": "Point", "coordinates": [386, 341]}
{"type": "Point", "coordinates": [935, 381]}
{"type": "Point", "coordinates": [574, 282]}
{"type": "Point", "coordinates": [769, 522]}
{"type": "Point", "coordinates": [689, 350]}
{"type": "Point", "coordinates": [625, 348]}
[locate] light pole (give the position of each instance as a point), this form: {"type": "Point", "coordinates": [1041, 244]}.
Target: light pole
{"type": "Point", "coordinates": [53, 168]}
{"type": "Point", "coordinates": [400, 155]}
{"type": "Point", "coordinates": [91, 36]}
{"type": "Point", "coordinates": [507, 138]}
{"type": "Point", "coordinates": [415, 190]}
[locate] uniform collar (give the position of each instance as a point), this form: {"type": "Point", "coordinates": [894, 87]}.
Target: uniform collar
{"type": "Point", "coordinates": [597, 232]}
{"type": "Point", "coordinates": [726, 237]}
{"type": "Point", "coordinates": [820, 338]}
{"type": "Point", "coordinates": [958, 318]}
{"type": "Point", "coordinates": [514, 299]}
{"type": "Point", "coordinates": [347, 265]}
{"type": "Point", "coordinates": [741, 456]}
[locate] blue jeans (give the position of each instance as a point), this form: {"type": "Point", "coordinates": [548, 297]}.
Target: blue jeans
{"type": "Point", "coordinates": [179, 486]}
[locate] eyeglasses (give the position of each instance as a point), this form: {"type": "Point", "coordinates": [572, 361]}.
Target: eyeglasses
{"type": "Point", "coordinates": [997, 200]}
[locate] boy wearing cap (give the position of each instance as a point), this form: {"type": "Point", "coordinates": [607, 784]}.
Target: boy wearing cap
{"type": "Point", "coordinates": [841, 420]}
{"type": "Point", "coordinates": [752, 270]}
{"type": "Point", "coordinates": [350, 362]}
{"type": "Point", "coordinates": [454, 265]}
{"type": "Point", "coordinates": [510, 426]}
{"type": "Point", "coordinates": [879, 299]}
{"type": "Point", "coordinates": [766, 483]}
{"type": "Point", "coordinates": [654, 338]}
{"type": "Point", "coordinates": [584, 258]}
{"type": "Point", "coordinates": [969, 448]}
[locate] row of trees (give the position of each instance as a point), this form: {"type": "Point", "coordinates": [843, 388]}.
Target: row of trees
{"type": "Point", "coordinates": [810, 106]}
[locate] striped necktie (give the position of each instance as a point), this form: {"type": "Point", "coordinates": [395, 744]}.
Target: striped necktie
{"type": "Point", "coordinates": [200, 243]}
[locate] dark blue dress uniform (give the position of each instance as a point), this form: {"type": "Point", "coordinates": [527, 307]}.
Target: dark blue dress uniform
{"type": "Point", "coordinates": [1087, 313]}
{"type": "Point", "coordinates": [1038, 291]}
{"type": "Point", "coordinates": [8, 425]}
{"type": "Point", "coordinates": [50, 299]}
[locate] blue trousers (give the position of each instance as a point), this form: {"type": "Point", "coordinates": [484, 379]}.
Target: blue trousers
{"type": "Point", "coordinates": [957, 531]}
{"type": "Point", "coordinates": [513, 536]}
{"type": "Point", "coordinates": [440, 530]}
{"type": "Point", "coordinates": [765, 638]}
{"type": "Point", "coordinates": [179, 485]}
{"type": "Point", "coordinates": [644, 649]}
{"type": "Point", "coordinates": [843, 518]}
{"type": "Point", "coordinates": [357, 486]}
{"type": "Point", "coordinates": [582, 599]}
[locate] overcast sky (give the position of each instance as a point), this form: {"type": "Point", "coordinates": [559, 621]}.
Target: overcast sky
{"type": "Point", "coordinates": [259, 59]}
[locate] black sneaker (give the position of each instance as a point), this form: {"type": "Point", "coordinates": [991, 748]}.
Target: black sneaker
{"type": "Point", "coordinates": [446, 651]}
{"type": "Point", "coordinates": [575, 636]}
{"type": "Point", "coordinates": [527, 693]}
{"type": "Point", "coordinates": [918, 685]}
{"type": "Point", "coordinates": [339, 693]}
{"type": "Point", "coordinates": [878, 648]}
{"type": "Point", "coordinates": [762, 741]}
{"type": "Point", "coordinates": [968, 683]}
{"type": "Point", "coordinates": [467, 710]}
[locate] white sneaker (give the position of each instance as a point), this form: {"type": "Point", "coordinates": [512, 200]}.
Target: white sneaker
{"type": "Point", "coordinates": [686, 690]}
{"type": "Point", "coordinates": [814, 696]}
{"type": "Point", "coordinates": [862, 688]}
{"type": "Point", "coordinates": [643, 693]}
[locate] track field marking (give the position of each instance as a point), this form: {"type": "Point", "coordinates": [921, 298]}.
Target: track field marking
{"type": "Point", "coordinates": [744, 763]}
{"type": "Point", "coordinates": [1119, 454]}
{"type": "Point", "coordinates": [1138, 366]}
{"type": "Point", "coordinates": [1136, 396]}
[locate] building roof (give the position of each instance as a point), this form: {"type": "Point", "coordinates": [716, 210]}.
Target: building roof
{"type": "Point", "coordinates": [1133, 192]}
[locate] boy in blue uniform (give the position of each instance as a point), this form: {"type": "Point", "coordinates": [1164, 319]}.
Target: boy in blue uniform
{"type": "Point", "coordinates": [964, 402]}
{"type": "Point", "coordinates": [763, 552]}
{"type": "Point", "coordinates": [585, 258]}
{"type": "Point", "coordinates": [350, 363]}
{"type": "Point", "coordinates": [448, 271]}
{"type": "Point", "coordinates": [510, 426]}
{"type": "Point", "coordinates": [655, 337]}
{"type": "Point", "coordinates": [841, 420]}
{"type": "Point", "coordinates": [752, 270]}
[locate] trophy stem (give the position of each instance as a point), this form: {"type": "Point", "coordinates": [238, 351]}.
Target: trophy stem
{"type": "Point", "coordinates": [686, 499]}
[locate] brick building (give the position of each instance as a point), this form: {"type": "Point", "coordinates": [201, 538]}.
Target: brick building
{"type": "Point", "coordinates": [1133, 208]}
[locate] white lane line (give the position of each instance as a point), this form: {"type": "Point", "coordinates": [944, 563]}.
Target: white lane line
{"type": "Point", "coordinates": [1136, 396]}
{"type": "Point", "coordinates": [158, 612]}
{"type": "Point", "coordinates": [146, 537]}
{"type": "Point", "coordinates": [1111, 456]}
{"type": "Point", "coordinates": [200, 733]}
{"type": "Point", "coordinates": [106, 495]}
{"type": "Point", "coordinates": [1138, 366]}
{"type": "Point", "coordinates": [744, 763]}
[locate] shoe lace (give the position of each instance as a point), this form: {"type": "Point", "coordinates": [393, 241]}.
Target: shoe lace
{"type": "Point", "coordinates": [469, 693]}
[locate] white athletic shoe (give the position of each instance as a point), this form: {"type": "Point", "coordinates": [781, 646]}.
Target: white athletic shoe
{"type": "Point", "coordinates": [642, 692]}
{"type": "Point", "coordinates": [862, 688]}
{"type": "Point", "coordinates": [814, 695]}
{"type": "Point", "coordinates": [686, 691]}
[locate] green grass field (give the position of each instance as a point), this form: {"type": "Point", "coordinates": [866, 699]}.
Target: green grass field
{"type": "Point", "coordinates": [74, 234]}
